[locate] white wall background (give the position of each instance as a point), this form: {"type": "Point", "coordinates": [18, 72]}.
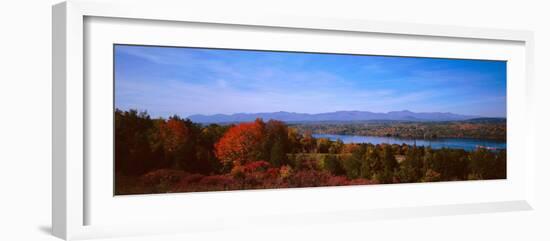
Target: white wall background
{"type": "Point", "coordinates": [25, 119]}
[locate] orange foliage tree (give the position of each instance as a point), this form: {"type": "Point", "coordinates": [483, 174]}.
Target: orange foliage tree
{"type": "Point", "coordinates": [174, 136]}
{"type": "Point", "coordinates": [241, 144]}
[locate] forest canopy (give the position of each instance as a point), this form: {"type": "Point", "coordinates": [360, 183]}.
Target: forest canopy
{"type": "Point", "coordinates": [177, 155]}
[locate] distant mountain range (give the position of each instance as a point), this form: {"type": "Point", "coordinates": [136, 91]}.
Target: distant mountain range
{"type": "Point", "coordinates": [338, 116]}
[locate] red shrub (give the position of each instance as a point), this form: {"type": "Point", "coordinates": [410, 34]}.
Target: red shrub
{"type": "Point", "coordinates": [337, 181]}
{"type": "Point", "coordinates": [272, 172]}
{"type": "Point", "coordinates": [362, 181]}
{"type": "Point", "coordinates": [309, 178]}
{"type": "Point", "coordinates": [256, 166]}
{"type": "Point", "coordinates": [162, 176]}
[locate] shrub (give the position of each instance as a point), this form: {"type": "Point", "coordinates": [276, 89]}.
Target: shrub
{"type": "Point", "coordinates": [309, 178]}
{"type": "Point", "coordinates": [362, 181]}
{"type": "Point", "coordinates": [191, 179]}
{"type": "Point", "coordinates": [162, 176]}
{"type": "Point", "coordinates": [217, 181]}
{"type": "Point", "coordinates": [336, 181]}
{"type": "Point", "coordinates": [285, 172]}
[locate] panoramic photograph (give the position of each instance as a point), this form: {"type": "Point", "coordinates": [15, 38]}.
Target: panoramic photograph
{"type": "Point", "coordinates": [205, 119]}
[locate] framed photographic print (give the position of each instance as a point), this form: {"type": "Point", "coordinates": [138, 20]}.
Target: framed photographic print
{"type": "Point", "coordinates": [204, 119]}
{"type": "Point", "coordinates": [164, 120]}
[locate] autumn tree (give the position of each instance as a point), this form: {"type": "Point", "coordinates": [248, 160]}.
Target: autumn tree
{"type": "Point", "coordinates": [276, 143]}
{"type": "Point", "coordinates": [209, 136]}
{"type": "Point", "coordinates": [370, 160]}
{"type": "Point", "coordinates": [323, 145]}
{"type": "Point", "coordinates": [355, 163]}
{"type": "Point", "coordinates": [181, 144]}
{"type": "Point", "coordinates": [336, 147]}
{"type": "Point", "coordinates": [372, 164]}
{"type": "Point", "coordinates": [176, 138]}
{"type": "Point", "coordinates": [485, 164]}
{"type": "Point", "coordinates": [412, 168]}
{"type": "Point", "coordinates": [241, 144]}
{"type": "Point", "coordinates": [308, 142]}
{"type": "Point", "coordinates": [389, 165]}
{"type": "Point", "coordinates": [294, 140]}
{"type": "Point", "coordinates": [332, 164]}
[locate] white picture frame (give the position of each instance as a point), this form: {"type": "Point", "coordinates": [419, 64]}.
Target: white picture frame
{"type": "Point", "coordinates": [72, 190]}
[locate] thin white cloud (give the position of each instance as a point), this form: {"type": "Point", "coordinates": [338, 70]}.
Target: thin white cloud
{"type": "Point", "coordinates": [216, 85]}
{"type": "Point", "coordinates": [184, 98]}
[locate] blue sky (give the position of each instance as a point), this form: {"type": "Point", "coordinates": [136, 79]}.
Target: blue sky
{"type": "Point", "coordinates": [165, 81]}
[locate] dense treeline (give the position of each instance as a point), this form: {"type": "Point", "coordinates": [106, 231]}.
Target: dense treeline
{"type": "Point", "coordinates": [177, 155]}
{"type": "Point", "coordinates": [488, 129]}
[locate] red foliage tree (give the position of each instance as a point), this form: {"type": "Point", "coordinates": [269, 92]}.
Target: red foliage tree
{"type": "Point", "coordinates": [241, 144]}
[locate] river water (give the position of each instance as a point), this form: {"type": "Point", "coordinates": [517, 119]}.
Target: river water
{"type": "Point", "coordinates": [467, 144]}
